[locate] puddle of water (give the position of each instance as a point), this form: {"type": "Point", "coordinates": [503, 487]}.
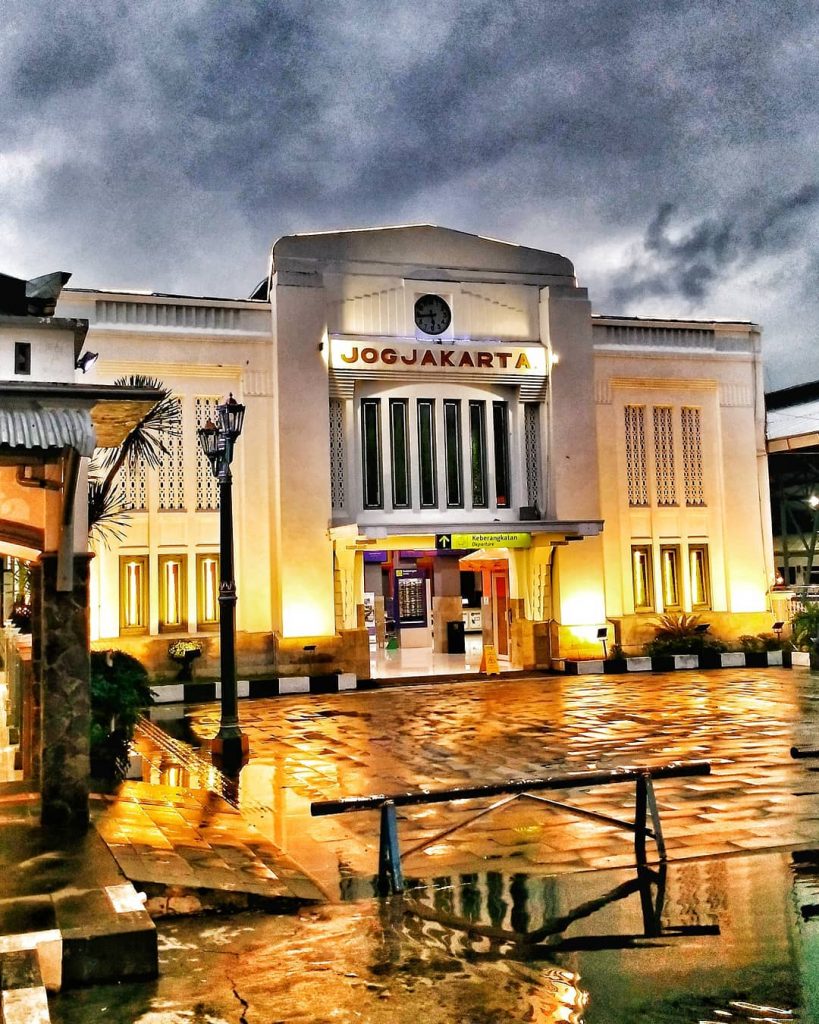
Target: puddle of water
{"type": "Point", "coordinates": [705, 942]}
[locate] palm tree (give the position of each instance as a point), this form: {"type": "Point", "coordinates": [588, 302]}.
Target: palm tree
{"type": "Point", "coordinates": [108, 513]}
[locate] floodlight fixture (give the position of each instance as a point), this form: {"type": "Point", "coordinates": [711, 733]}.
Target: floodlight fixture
{"type": "Point", "coordinates": [86, 360]}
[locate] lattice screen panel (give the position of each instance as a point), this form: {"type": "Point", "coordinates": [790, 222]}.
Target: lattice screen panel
{"type": "Point", "coordinates": [664, 456]}
{"type": "Point", "coordinates": [637, 475]}
{"type": "Point", "coordinates": [692, 457]}
{"type": "Point", "coordinates": [171, 472]}
{"type": "Point", "coordinates": [207, 486]}
{"type": "Point", "coordinates": [133, 483]}
{"type": "Point", "coordinates": [531, 449]}
{"type": "Point", "coordinates": [337, 455]}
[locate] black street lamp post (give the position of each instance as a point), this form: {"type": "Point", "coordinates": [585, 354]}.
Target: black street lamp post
{"type": "Point", "coordinates": [217, 441]}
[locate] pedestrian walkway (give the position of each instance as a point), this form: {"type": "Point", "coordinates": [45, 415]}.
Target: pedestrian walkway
{"type": "Point", "coordinates": [67, 915]}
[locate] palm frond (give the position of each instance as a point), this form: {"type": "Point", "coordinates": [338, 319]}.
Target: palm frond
{"type": "Point", "coordinates": [677, 626]}
{"type": "Point", "coordinates": [108, 515]}
{"type": "Point", "coordinates": [145, 443]}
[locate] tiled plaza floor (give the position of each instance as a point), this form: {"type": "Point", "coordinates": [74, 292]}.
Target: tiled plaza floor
{"type": "Point", "coordinates": [188, 843]}
{"type": "Point", "coordinates": [744, 721]}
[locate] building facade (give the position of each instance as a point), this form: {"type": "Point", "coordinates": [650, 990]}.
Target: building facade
{"type": "Point", "coordinates": [439, 433]}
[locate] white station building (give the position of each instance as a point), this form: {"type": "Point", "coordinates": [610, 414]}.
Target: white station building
{"type": "Point", "coordinates": [439, 431]}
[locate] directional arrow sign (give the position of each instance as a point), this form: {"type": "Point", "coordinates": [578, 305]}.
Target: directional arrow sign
{"type": "Point", "coordinates": [443, 541]}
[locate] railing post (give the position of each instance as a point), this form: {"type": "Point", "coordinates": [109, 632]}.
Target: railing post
{"type": "Point", "coordinates": [390, 876]}
{"type": "Point", "coordinates": [655, 818]}
{"type": "Point", "coordinates": [640, 807]}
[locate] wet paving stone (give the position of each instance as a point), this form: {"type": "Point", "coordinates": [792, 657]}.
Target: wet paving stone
{"type": "Point", "coordinates": [355, 744]}
{"type": "Point", "coordinates": [485, 947]}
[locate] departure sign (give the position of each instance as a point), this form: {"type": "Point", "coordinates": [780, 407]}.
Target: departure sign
{"type": "Point", "coordinates": [470, 541]}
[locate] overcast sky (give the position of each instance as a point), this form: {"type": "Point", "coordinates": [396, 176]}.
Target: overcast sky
{"type": "Point", "coordinates": [669, 149]}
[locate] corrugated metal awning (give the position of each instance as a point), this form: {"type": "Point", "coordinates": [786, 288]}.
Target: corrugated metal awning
{"type": "Point", "coordinates": [44, 429]}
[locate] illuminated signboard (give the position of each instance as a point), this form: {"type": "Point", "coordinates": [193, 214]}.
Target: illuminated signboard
{"type": "Point", "coordinates": [470, 541]}
{"type": "Point", "coordinates": [404, 356]}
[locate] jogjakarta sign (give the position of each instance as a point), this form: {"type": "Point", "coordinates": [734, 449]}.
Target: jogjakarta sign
{"type": "Point", "coordinates": [499, 358]}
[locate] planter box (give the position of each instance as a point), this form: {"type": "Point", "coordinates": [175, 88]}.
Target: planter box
{"type": "Point", "coordinates": [800, 659]}
{"type": "Point", "coordinates": [686, 661]}
{"type": "Point", "coordinates": [171, 693]}
{"type": "Point", "coordinates": [732, 659]}
{"type": "Point", "coordinates": [774, 657]}
{"type": "Point", "coordinates": [757, 659]}
{"type": "Point", "coordinates": [615, 665]}
{"type": "Point", "coordinates": [294, 684]}
{"type": "Point", "coordinates": [638, 664]}
{"type": "Point", "coordinates": [712, 659]}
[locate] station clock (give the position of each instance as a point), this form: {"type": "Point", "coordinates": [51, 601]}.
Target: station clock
{"type": "Point", "coordinates": [432, 314]}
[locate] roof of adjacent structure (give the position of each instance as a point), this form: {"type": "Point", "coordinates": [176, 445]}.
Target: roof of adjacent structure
{"type": "Point", "coordinates": [45, 429]}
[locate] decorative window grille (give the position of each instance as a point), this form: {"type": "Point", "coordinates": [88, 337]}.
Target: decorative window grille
{"type": "Point", "coordinates": [692, 457]}
{"type": "Point", "coordinates": [531, 449]}
{"type": "Point", "coordinates": [207, 486]}
{"type": "Point", "coordinates": [664, 456]}
{"type": "Point", "coordinates": [133, 484]}
{"type": "Point", "coordinates": [637, 476]}
{"type": "Point", "coordinates": [172, 472]}
{"type": "Point", "coordinates": [337, 488]}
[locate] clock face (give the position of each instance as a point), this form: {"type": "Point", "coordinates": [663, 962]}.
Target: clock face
{"type": "Point", "coordinates": [432, 314]}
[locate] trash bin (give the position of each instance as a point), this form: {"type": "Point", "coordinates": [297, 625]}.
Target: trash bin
{"type": "Point", "coordinates": [455, 637]}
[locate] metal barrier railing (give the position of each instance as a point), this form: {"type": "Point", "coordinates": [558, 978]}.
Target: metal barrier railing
{"type": "Point", "coordinates": [390, 873]}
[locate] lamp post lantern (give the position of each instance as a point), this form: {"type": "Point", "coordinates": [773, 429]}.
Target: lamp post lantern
{"type": "Point", "coordinates": [217, 441]}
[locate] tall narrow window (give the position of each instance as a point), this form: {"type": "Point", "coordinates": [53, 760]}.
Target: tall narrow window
{"type": "Point", "coordinates": [371, 452]}
{"type": "Point", "coordinates": [399, 449]}
{"type": "Point", "coordinates": [636, 475]}
{"type": "Point", "coordinates": [427, 464]}
{"type": "Point", "coordinates": [642, 572]}
{"type": "Point", "coordinates": [173, 592]}
{"type": "Point", "coordinates": [500, 423]}
{"type": "Point", "coordinates": [670, 575]}
{"type": "Point", "coordinates": [477, 453]}
{"type": "Point", "coordinates": [700, 577]}
{"type": "Point", "coordinates": [664, 456]}
{"type": "Point", "coordinates": [207, 591]}
{"type": "Point", "coordinates": [452, 443]}
{"type": "Point", "coordinates": [133, 593]}
{"type": "Point", "coordinates": [692, 457]}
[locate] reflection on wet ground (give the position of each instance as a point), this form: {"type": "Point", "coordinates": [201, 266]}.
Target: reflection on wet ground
{"type": "Point", "coordinates": [727, 942]}
{"type": "Point", "coordinates": [387, 741]}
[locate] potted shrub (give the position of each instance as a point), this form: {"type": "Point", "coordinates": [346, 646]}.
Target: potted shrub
{"type": "Point", "coordinates": [184, 653]}
{"type": "Point", "coordinates": [683, 634]}
{"type": "Point", "coordinates": [756, 647]}
{"type": "Point", "coordinates": [119, 692]}
{"type": "Point", "coordinates": [616, 660]}
{"type": "Point", "coordinates": [805, 630]}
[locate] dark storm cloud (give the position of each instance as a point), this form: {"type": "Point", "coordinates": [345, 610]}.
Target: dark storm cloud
{"type": "Point", "coordinates": [166, 144]}
{"type": "Point", "coordinates": [692, 262]}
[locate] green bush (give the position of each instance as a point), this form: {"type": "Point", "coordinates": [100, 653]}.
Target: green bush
{"type": "Point", "coordinates": [763, 642]}
{"type": "Point", "coordinates": [805, 627]}
{"type": "Point", "coordinates": [677, 634]}
{"type": "Point", "coordinates": [119, 692]}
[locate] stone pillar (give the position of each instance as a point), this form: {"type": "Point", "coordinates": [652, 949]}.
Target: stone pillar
{"type": "Point", "coordinates": [447, 605]}
{"type": "Point", "coordinates": [66, 697]}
